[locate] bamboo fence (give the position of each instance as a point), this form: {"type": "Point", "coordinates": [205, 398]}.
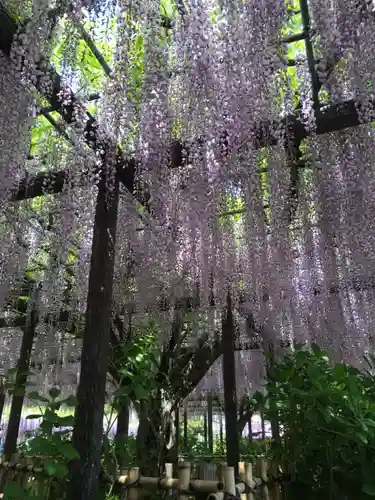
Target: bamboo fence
{"type": "Point", "coordinates": [215, 482]}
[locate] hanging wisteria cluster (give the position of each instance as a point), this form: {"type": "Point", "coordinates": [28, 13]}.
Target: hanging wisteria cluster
{"type": "Point", "coordinates": [201, 99]}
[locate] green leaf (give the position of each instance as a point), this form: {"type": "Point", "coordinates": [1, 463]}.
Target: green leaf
{"type": "Point", "coordinates": [13, 491]}
{"type": "Point", "coordinates": [17, 391]}
{"type": "Point", "coordinates": [369, 489]}
{"type": "Point", "coordinates": [68, 451]}
{"type": "Point", "coordinates": [141, 393]}
{"type": "Point", "coordinates": [50, 466]}
{"type": "Point", "coordinates": [69, 401]}
{"type": "Point", "coordinates": [65, 421]}
{"type": "Point", "coordinates": [33, 416]}
{"type": "Point", "coordinates": [362, 437]}
{"type": "Point", "coordinates": [61, 470]}
{"type": "Point", "coordinates": [54, 392]}
{"type": "Point", "coordinates": [35, 396]}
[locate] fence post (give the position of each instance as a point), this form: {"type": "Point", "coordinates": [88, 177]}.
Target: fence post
{"type": "Point", "coordinates": [242, 475]}
{"type": "Point", "coordinates": [229, 480]}
{"type": "Point", "coordinates": [169, 475]}
{"type": "Point", "coordinates": [133, 480]}
{"type": "Point", "coordinates": [124, 473]}
{"type": "Point", "coordinates": [263, 476]}
{"type": "Point", "coordinates": [220, 472]}
{"type": "Point", "coordinates": [184, 479]}
{"type": "Point", "coordinates": [275, 485]}
{"type": "Point", "coordinates": [185, 426]}
{"type": "Point", "coordinates": [249, 480]}
{"type": "Point", "coordinates": [2, 398]}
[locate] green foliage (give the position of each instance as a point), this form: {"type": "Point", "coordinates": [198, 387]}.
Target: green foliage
{"type": "Point", "coordinates": [14, 491]}
{"type": "Point", "coordinates": [249, 451]}
{"type": "Point", "coordinates": [50, 441]}
{"type": "Point", "coordinates": [139, 364]}
{"type": "Point", "coordinates": [49, 445]}
{"type": "Point", "coordinates": [113, 452]}
{"type": "Point", "coordinates": [327, 415]}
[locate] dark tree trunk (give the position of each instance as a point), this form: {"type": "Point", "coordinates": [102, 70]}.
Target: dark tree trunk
{"type": "Point", "coordinates": [2, 400]}
{"type": "Point", "coordinates": [250, 427]}
{"type": "Point", "coordinates": [88, 428]}
{"type": "Point", "coordinates": [122, 433]}
{"type": "Point", "coordinates": [210, 424]}
{"type": "Point", "coordinates": [10, 444]}
{"type": "Point", "coordinates": [221, 431]}
{"type": "Point", "coordinates": [205, 431]}
{"type": "Point", "coordinates": [151, 452]}
{"type": "Point", "coordinates": [263, 425]}
{"type": "Point", "coordinates": [177, 427]}
{"type": "Point", "coordinates": [185, 426]}
{"type": "Point", "coordinates": [241, 424]}
{"type": "Point", "coordinates": [230, 396]}
{"type": "Point", "coordinates": [275, 430]}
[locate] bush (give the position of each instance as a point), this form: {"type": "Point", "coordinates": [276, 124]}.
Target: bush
{"type": "Point", "coordinates": [327, 415]}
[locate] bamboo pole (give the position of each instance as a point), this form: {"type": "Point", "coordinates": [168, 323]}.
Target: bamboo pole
{"type": "Point", "coordinates": [263, 477]}
{"type": "Point", "coordinates": [184, 479]}
{"type": "Point", "coordinates": [229, 480]}
{"type": "Point", "coordinates": [219, 472]}
{"type": "Point", "coordinates": [242, 475]}
{"type": "Point", "coordinates": [122, 480]}
{"type": "Point", "coordinates": [249, 480]}
{"type": "Point", "coordinates": [133, 483]}
{"type": "Point", "coordinates": [169, 475]}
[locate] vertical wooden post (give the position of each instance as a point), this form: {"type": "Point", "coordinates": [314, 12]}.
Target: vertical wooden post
{"type": "Point", "coordinates": [210, 424]}
{"type": "Point", "coordinates": [2, 398]}
{"type": "Point", "coordinates": [124, 474]}
{"type": "Point", "coordinates": [10, 444]}
{"type": "Point", "coordinates": [169, 475]}
{"type": "Point", "coordinates": [177, 427]}
{"type": "Point", "coordinates": [276, 493]}
{"type": "Point", "coordinates": [263, 476]}
{"type": "Point", "coordinates": [275, 430]}
{"type": "Point", "coordinates": [88, 427]}
{"type": "Point", "coordinates": [184, 479]}
{"type": "Point", "coordinates": [220, 472]}
{"type": "Point", "coordinates": [221, 433]}
{"type": "Point", "coordinates": [263, 425]}
{"type": "Point", "coordinates": [250, 428]}
{"type": "Point", "coordinates": [205, 433]}
{"type": "Point", "coordinates": [242, 476]}
{"type": "Point", "coordinates": [122, 432]}
{"type": "Point", "coordinates": [249, 479]}
{"type": "Point", "coordinates": [229, 480]}
{"type": "Point", "coordinates": [133, 478]}
{"type": "Point", "coordinates": [185, 426]}
{"type": "Point", "coordinates": [230, 396]}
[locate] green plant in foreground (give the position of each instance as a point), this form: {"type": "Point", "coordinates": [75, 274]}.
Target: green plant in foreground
{"type": "Point", "coordinates": [327, 415]}
{"type": "Point", "coordinates": [51, 444]}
